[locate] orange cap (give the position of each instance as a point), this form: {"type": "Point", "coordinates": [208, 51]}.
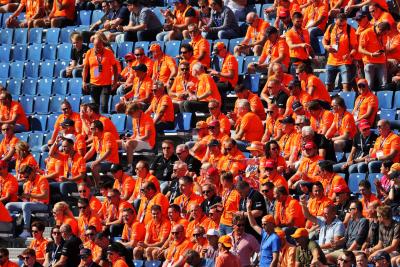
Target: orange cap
{"type": "Point", "coordinates": [256, 145]}
{"type": "Point", "coordinates": [219, 45]}
{"type": "Point", "coordinates": [268, 219]}
{"type": "Point", "coordinates": [226, 241]}
{"type": "Point", "coordinates": [155, 48]}
{"type": "Point", "coordinates": [300, 232]}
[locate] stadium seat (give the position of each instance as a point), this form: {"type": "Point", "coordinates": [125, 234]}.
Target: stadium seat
{"type": "Point", "coordinates": [35, 141]}
{"type": "Point", "coordinates": [6, 36]}
{"type": "Point", "coordinates": [52, 35]}
{"type": "Point", "coordinates": [55, 103]}
{"type": "Point", "coordinates": [352, 23]}
{"type": "Point", "coordinates": [144, 45]}
{"type": "Point", "coordinates": [233, 43]}
{"type": "Point", "coordinates": [35, 36]}
{"type": "Point", "coordinates": [3, 82]}
{"type": "Point", "coordinates": [22, 136]}
{"type": "Point", "coordinates": [86, 99]}
{"type": "Point", "coordinates": [17, 69]}
{"type": "Point", "coordinates": [5, 52]}
{"type": "Point", "coordinates": [60, 65]}
{"type": "Point", "coordinates": [20, 36]}
{"type": "Point", "coordinates": [153, 263]}
{"type": "Point", "coordinates": [252, 82]}
{"type": "Point", "coordinates": [349, 98]}
{"type": "Point", "coordinates": [124, 48]}
{"type": "Point", "coordinates": [35, 52]}
{"type": "Point", "coordinates": [354, 180]}
{"type": "Point", "coordinates": [4, 68]}
{"type": "Point", "coordinates": [96, 15]}
{"type": "Point", "coordinates": [44, 156]}
{"type": "Point", "coordinates": [19, 52]}
{"type": "Point", "coordinates": [157, 12]}
{"type": "Point", "coordinates": [396, 102]}
{"type": "Point", "coordinates": [388, 114]}
{"type": "Point", "coordinates": [182, 123]}
{"type": "Point", "coordinates": [4, 18]}
{"type": "Point", "coordinates": [162, 44]}
{"type": "Point", "coordinates": [46, 69]}
{"type": "Point", "coordinates": [113, 101]}
{"type": "Point", "coordinates": [75, 101]}
{"type": "Point", "coordinates": [385, 99]}
{"type": "Point", "coordinates": [75, 86]}
{"type": "Point", "coordinates": [265, 16]}
{"type": "Point", "coordinates": [210, 263]}
{"type": "Point", "coordinates": [27, 103]}
{"type": "Point", "coordinates": [258, 10]}
{"type": "Point", "coordinates": [85, 17]}
{"type": "Point", "coordinates": [41, 105]}
{"type": "Point", "coordinates": [247, 61]}
{"type": "Point", "coordinates": [119, 121]}
{"type": "Point", "coordinates": [49, 52]}
{"type": "Point", "coordinates": [371, 178]}
{"type": "Point", "coordinates": [38, 123]}
{"type": "Point", "coordinates": [44, 86]}
{"type": "Point", "coordinates": [138, 263]}
{"type": "Point", "coordinates": [32, 69]}
{"type": "Point", "coordinates": [65, 35]}
{"type": "Point", "coordinates": [36, 154]}
{"type": "Point", "coordinates": [51, 120]}
{"type": "Point", "coordinates": [172, 48]}
{"type": "Point", "coordinates": [29, 86]}
{"type": "Point", "coordinates": [14, 86]}
{"type": "Point", "coordinates": [60, 86]}
{"type": "Point", "coordinates": [64, 51]}
{"type": "Point", "coordinates": [321, 47]}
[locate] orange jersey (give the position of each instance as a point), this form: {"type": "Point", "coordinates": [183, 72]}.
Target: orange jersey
{"type": "Point", "coordinates": [146, 61]}
{"type": "Point", "coordinates": [331, 182]}
{"type": "Point", "coordinates": [232, 163]}
{"type": "Point", "coordinates": [252, 126]}
{"type": "Point", "coordinates": [162, 68]}
{"type": "Point", "coordinates": [8, 263]}
{"type": "Point", "coordinates": [393, 42]}
{"type": "Point", "coordinates": [365, 203]}
{"type": "Point", "coordinates": [309, 166]}
{"type": "Point", "coordinates": [120, 263]}
{"type": "Point", "coordinates": [303, 98]}
{"type": "Point", "coordinates": [141, 89]}
{"type": "Point", "coordinates": [105, 143]}
{"type": "Point", "coordinates": [386, 16]}
{"type": "Point", "coordinates": [335, 36]}
{"type": "Point", "coordinates": [185, 202]}
{"type": "Point", "coordinates": [39, 246]}
{"type": "Point", "coordinates": [272, 126]}
{"type": "Point", "coordinates": [345, 123]}
{"type": "Point", "coordinates": [7, 113]}
{"type": "Point", "coordinates": [224, 123]}
{"type": "Point", "coordinates": [272, 51]}
{"type": "Point", "coordinates": [72, 222]}
{"type": "Point", "coordinates": [158, 103]}
{"type": "Point", "coordinates": [255, 105]}
{"type": "Point", "coordinates": [320, 92]}
{"type": "Point", "coordinates": [298, 37]}
{"type": "Point", "coordinates": [175, 250]}
{"type": "Point", "coordinates": [313, 13]}
{"type": "Point", "coordinates": [96, 250]}
{"type": "Point", "coordinates": [95, 204]}
{"type": "Point", "coordinates": [370, 42]}
{"type": "Point", "coordinates": [68, 12]}
{"type": "Point", "coordinates": [363, 102]}
{"type": "Point", "coordinates": [73, 116]}
{"type": "Point", "coordinates": [384, 146]}
{"type": "Point", "coordinates": [199, 45]}
{"type": "Point", "coordinates": [126, 186]}
{"type": "Point", "coordinates": [230, 64]}
{"type": "Point", "coordinates": [287, 142]}
{"type": "Point", "coordinates": [113, 212]}
{"type": "Point", "coordinates": [323, 122]}
{"type": "Point", "coordinates": [109, 126]}
{"type": "Point", "coordinates": [72, 167]}
{"type": "Point", "coordinates": [256, 34]}
{"type": "Point", "coordinates": [316, 207]}
{"type": "Point", "coordinates": [84, 222]}
{"type": "Point", "coordinates": [39, 185]}
{"type": "Point", "coordinates": [288, 211]}
{"type": "Point", "coordinates": [140, 181]}
{"type": "Point", "coordinates": [230, 202]}
{"type": "Point", "coordinates": [135, 232]}
{"type": "Point", "coordinates": [9, 185]}
{"type": "Point", "coordinates": [156, 232]}
{"type": "Point", "coordinates": [7, 144]}
{"type": "Point", "coordinates": [207, 84]}
{"type": "Point", "coordinates": [144, 212]}
{"type": "Point", "coordinates": [143, 125]}
{"type": "Point", "coordinates": [103, 75]}
{"type": "Point", "coordinates": [182, 85]}
{"type": "Point", "coordinates": [277, 180]}
{"type": "Point", "coordinates": [203, 222]}
{"type": "Point", "coordinates": [32, 7]}
{"type": "Point", "coordinates": [28, 160]}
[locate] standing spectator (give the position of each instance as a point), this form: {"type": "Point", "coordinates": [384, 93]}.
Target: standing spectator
{"type": "Point", "coordinates": [379, 13]}
{"type": "Point", "coordinates": [164, 66]}
{"type": "Point", "coordinates": [307, 251]}
{"type": "Point", "coordinates": [225, 257]}
{"type": "Point", "coordinates": [287, 254]}
{"type": "Point", "coordinates": [34, 10]}
{"type": "Point", "coordinates": [393, 51]}
{"type": "Point", "coordinates": [366, 105]}
{"type": "Point", "coordinates": [102, 65]}
{"type": "Point", "coordinates": [223, 23]}
{"type": "Point", "coordinates": [75, 68]}
{"type": "Point", "coordinates": [12, 112]}
{"type": "Point", "coordinates": [364, 23]}
{"type": "Point", "coordinates": [230, 202]}
{"type": "Point", "coordinates": [201, 46]}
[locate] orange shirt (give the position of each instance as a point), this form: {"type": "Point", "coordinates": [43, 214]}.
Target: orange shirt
{"type": "Point", "coordinates": [105, 143]}
{"type": "Point", "coordinates": [96, 250]}
{"type": "Point", "coordinates": [113, 212]}
{"type": "Point", "coordinates": [141, 89]}
{"type": "Point", "coordinates": [386, 145]}
{"type": "Point", "coordinates": [9, 264]}
{"type": "Point", "coordinates": [146, 61]}
{"type": "Point", "coordinates": [95, 204]}
{"type": "Point", "coordinates": [224, 123]}
{"type": "Point", "coordinates": [155, 232]}
{"type": "Point", "coordinates": [386, 16]}
{"type": "Point", "coordinates": [126, 186]}
{"type": "Point", "coordinates": [272, 51]}
{"type": "Point", "coordinates": [144, 212]}
{"type": "Point", "coordinates": [256, 34]}
{"type": "Point", "coordinates": [363, 102]}
{"type": "Point", "coordinates": [323, 122]}
{"type": "Point", "coordinates": [38, 186]}
{"type": "Point", "coordinates": [297, 38]}
{"type": "Point", "coordinates": [287, 142]}
{"type": "Point", "coordinates": [162, 68]}
{"type": "Point", "coordinates": [320, 92]}
{"type": "Point", "coordinates": [339, 37]}
{"type": "Point", "coordinates": [177, 250]}
{"type": "Point", "coordinates": [185, 202]}
{"type": "Point", "coordinates": [142, 126]}
{"type": "Point", "coordinates": [303, 98]}
{"type": "Point", "coordinates": [272, 126]}
{"type": "Point", "coordinates": [72, 222]}
{"type": "Point", "coordinates": [135, 232]}
{"type": "Point", "coordinates": [203, 222]}
{"type": "Point", "coordinates": [107, 60]}
{"type": "Point", "coordinates": [73, 116]}
{"type": "Point", "coordinates": [39, 246]}
{"type": "Point", "coordinates": [252, 127]}
{"type": "Point", "coordinates": [158, 103]}
{"type": "Point", "coordinates": [207, 84]}
{"type": "Point", "coordinates": [6, 113]}
{"type": "Point", "coordinates": [9, 185]}
{"type": "Point", "coordinates": [28, 160]}
{"type": "Point", "coordinates": [313, 13]}
{"type": "Point", "coordinates": [370, 41]}
{"type": "Point", "coordinates": [139, 182]}
{"type": "Point", "coordinates": [4, 214]}
{"type": "Point", "coordinates": [345, 124]}
{"type": "Point", "coordinates": [72, 167]}
{"type": "Point", "coordinates": [182, 85]}
{"type": "Point", "coordinates": [230, 202]}
{"type": "Point", "coordinates": [120, 263]}
{"type": "Point", "coordinates": [109, 126]}
{"type": "Point", "coordinates": [227, 259]}
{"type": "Point", "coordinates": [54, 166]}
{"type": "Point", "coordinates": [285, 80]}
{"type": "Point", "coordinates": [365, 202]}
{"type": "Point", "coordinates": [277, 180]}
{"type": "Point", "coordinates": [232, 163]}
{"type": "Point", "coordinates": [230, 63]}
{"type": "Point", "coordinates": [331, 182]}
{"type": "Point", "coordinates": [255, 104]}
{"type": "Point", "coordinates": [309, 166]}
{"type": "Point", "coordinates": [317, 206]}
{"type": "Point", "coordinates": [7, 144]}
{"type": "Point", "coordinates": [68, 12]}
{"type": "Point", "coordinates": [393, 42]}
{"type": "Point", "coordinates": [201, 44]}
{"type": "Point", "coordinates": [288, 210]}
{"type": "Point", "coordinates": [84, 222]}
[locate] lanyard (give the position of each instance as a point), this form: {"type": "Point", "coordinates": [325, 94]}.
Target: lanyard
{"type": "Point", "coordinates": [359, 104]}
{"type": "Point", "coordinates": [136, 95]}
{"type": "Point", "coordinates": [144, 211]}
{"type": "Point", "coordinates": [383, 142]}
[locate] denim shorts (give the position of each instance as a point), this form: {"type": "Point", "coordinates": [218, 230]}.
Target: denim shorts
{"type": "Point", "coordinates": [346, 73]}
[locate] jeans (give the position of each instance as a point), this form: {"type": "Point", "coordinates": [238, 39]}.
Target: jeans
{"type": "Point", "coordinates": [192, 107]}
{"type": "Point", "coordinates": [161, 126]}
{"type": "Point", "coordinates": [140, 36]}
{"type": "Point", "coordinates": [345, 71]}
{"type": "Point", "coordinates": [121, 90]}
{"type": "Point", "coordinates": [374, 166]}
{"type": "Point", "coordinates": [66, 188]}
{"type": "Point", "coordinates": [373, 72]}
{"type": "Point", "coordinates": [101, 95]}
{"type": "Point", "coordinates": [314, 33]}
{"type": "Point", "coordinates": [360, 167]}
{"type": "Point", "coordinates": [27, 208]}
{"type": "Point", "coordinates": [225, 229]}
{"type": "Point", "coordinates": [222, 34]}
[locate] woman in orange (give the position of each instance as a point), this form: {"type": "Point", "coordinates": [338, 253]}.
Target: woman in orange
{"type": "Point", "coordinates": [23, 157]}
{"type": "Point", "coordinates": [39, 243]}
{"type": "Point", "coordinates": [63, 215]}
{"type": "Point", "coordinates": [273, 153]}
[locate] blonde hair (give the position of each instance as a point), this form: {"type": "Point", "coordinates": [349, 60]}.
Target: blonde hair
{"type": "Point", "coordinates": [102, 37]}
{"type": "Point", "coordinates": [64, 207]}
{"type": "Point", "coordinates": [22, 146]}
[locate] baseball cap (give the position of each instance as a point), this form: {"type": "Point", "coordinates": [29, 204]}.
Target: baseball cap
{"type": "Point", "coordinates": [269, 164]}
{"type": "Point", "coordinates": [300, 232]}
{"type": "Point", "coordinates": [115, 167]}
{"type": "Point", "coordinates": [70, 137]}
{"type": "Point", "coordinates": [155, 47]}
{"type": "Point", "coordinates": [296, 105]}
{"type": "Point", "coordinates": [129, 56]}
{"type": "Point", "coordinates": [269, 219]}
{"type": "Point", "coordinates": [341, 189]}
{"type": "Point", "coordinates": [140, 67]}
{"type": "Point", "coordinates": [68, 122]}
{"type": "Point", "coordinates": [309, 145]}
{"type": "Point", "coordinates": [85, 252]}
{"type": "Point", "coordinates": [360, 14]}
{"type": "Point", "coordinates": [201, 125]}
{"type": "Point", "coordinates": [256, 146]}
{"type": "Point", "coordinates": [382, 255]}
{"type": "Point", "coordinates": [287, 119]}
{"type": "Point", "coordinates": [212, 232]}
{"type": "Point", "coordinates": [115, 247]}
{"type": "Point", "coordinates": [214, 142]}
{"type": "Point", "coordinates": [226, 241]}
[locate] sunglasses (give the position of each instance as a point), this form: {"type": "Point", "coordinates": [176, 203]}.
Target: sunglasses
{"type": "Point", "coordinates": [139, 55]}
{"type": "Point", "coordinates": [89, 234]}
{"type": "Point", "coordinates": [5, 129]}
{"type": "Point", "coordinates": [269, 169]}
{"type": "Point", "coordinates": [82, 207]}
{"type": "Point", "coordinates": [82, 191]}
{"type": "Point", "coordinates": [184, 52]}
{"type": "Point", "coordinates": [56, 233]}
{"type": "Point", "coordinates": [265, 191]}
{"type": "Point", "coordinates": [197, 235]}
{"type": "Point", "coordinates": [25, 258]}
{"type": "Point", "coordinates": [206, 192]}
{"type": "Point", "coordinates": [175, 233]}
{"type": "Point", "coordinates": [212, 108]}
{"type": "Point", "coordinates": [35, 232]}
{"type": "Point", "coordinates": [361, 85]}
{"type": "Point", "coordinates": [184, 69]}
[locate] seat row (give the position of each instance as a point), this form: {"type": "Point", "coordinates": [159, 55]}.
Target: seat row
{"type": "Point", "coordinates": [32, 69]}
{"type": "Point", "coordinates": [36, 52]}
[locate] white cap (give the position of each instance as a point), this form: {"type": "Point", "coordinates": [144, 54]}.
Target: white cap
{"type": "Point", "coordinates": [212, 232]}
{"type": "Point", "coordinates": [70, 137]}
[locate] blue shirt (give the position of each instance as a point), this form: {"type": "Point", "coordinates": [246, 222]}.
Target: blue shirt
{"type": "Point", "coordinates": [269, 244]}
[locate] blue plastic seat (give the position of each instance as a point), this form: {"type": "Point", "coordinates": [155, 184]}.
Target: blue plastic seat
{"type": "Point", "coordinates": [35, 35]}
{"type": "Point", "coordinates": [371, 178]}
{"type": "Point", "coordinates": [6, 36]}
{"type": "Point", "coordinates": [52, 35]}
{"type": "Point", "coordinates": [119, 121]}
{"type": "Point", "coordinates": [17, 69]}
{"type": "Point", "coordinates": [396, 102]}
{"type": "Point", "coordinates": [75, 101]}
{"type": "Point", "coordinates": [44, 156]}
{"type": "Point", "coordinates": [20, 36]}
{"type": "Point", "coordinates": [172, 48]}
{"type": "Point", "coordinates": [75, 86]}
{"type": "Point", "coordinates": [49, 52]}
{"type": "Point", "coordinates": [29, 86]}
{"type": "Point", "coordinates": [349, 98]}
{"type": "Point", "coordinates": [38, 123]}
{"type": "Point", "coordinates": [249, 60]}
{"type": "Point", "coordinates": [14, 86]}
{"type": "Point", "coordinates": [84, 17]}
{"type": "Point", "coordinates": [32, 69]}
{"type": "Point", "coordinates": [144, 45]}
{"type": "Point", "coordinates": [388, 114]}
{"type": "Point", "coordinates": [159, 15]}
{"type": "Point", "coordinates": [124, 48]}
{"type": "Point", "coordinates": [35, 52]}
{"type": "Point", "coordinates": [55, 103]}
{"type": "Point", "coordinates": [138, 263]}
{"type": "Point", "coordinates": [233, 43]}
{"type": "Point", "coordinates": [64, 51]}
{"type": "Point", "coordinates": [36, 154]}
{"type": "Point", "coordinates": [113, 101]}
{"type": "Point", "coordinates": [60, 65]}
{"type": "Point", "coordinates": [60, 86]}
{"type": "Point", "coordinates": [41, 105]}
{"type": "Point", "coordinates": [22, 136]}
{"type": "Point", "coordinates": [354, 180]}
{"type": "Point", "coordinates": [44, 86]}
{"type": "Point", "coordinates": [253, 82]}
{"type": "Point", "coordinates": [46, 69]}
{"type": "Point", "coordinates": [27, 103]}
{"type": "Point", "coordinates": [5, 52]}
{"type": "Point", "coordinates": [66, 34]}
{"type": "Point", "coordinates": [51, 120]}
{"type": "Point", "coordinates": [162, 44]}
{"type": "Point", "coordinates": [3, 19]}
{"type": "Point", "coordinates": [182, 123]}
{"type": "Point", "coordinates": [35, 141]}
{"type": "Point", "coordinates": [385, 99]}
{"type": "Point", "coordinates": [152, 263]}
{"type": "Point", "coordinates": [19, 52]}
{"type": "Point", "coordinates": [4, 69]}
{"type": "Point", "coordinates": [352, 23]}
{"type": "Point", "coordinates": [96, 15]}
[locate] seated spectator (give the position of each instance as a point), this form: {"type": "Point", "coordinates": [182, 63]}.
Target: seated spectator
{"type": "Point", "coordinates": [277, 72]}
{"type": "Point", "coordinates": [361, 259]}
{"type": "Point", "coordinates": [313, 85]}
{"type": "Point", "coordinates": [4, 253]}
{"type": "Point", "coordinates": [162, 165]}
{"type": "Point", "coordinates": [141, 58]}
{"type": "Point", "coordinates": [346, 259]}
{"type": "Point", "coordinates": [255, 164]}
{"type": "Point", "coordinates": [199, 219]}
{"type": "Point", "coordinates": [12, 112]}
{"type": "Point", "coordinates": [123, 182]}
{"type": "Point", "coordinates": [94, 203]}
{"type": "Point", "coordinates": [133, 231]}
{"type": "Point", "coordinates": [367, 197]}
{"type": "Point", "coordinates": [373, 231]}
{"type": "Point", "coordinates": [382, 259]}
{"type": "Point", "coordinates": [267, 189]}
{"type": "Point", "coordinates": [62, 15]}
{"type": "Point", "coordinates": [105, 7]}
{"type": "Point", "coordinates": [28, 257]}
{"type": "Point", "coordinates": [316, 204]}
{"type": "Point", "coordinates": [161, 108]}
{"type": "Point", "coordinates": [118, 16]}
{"type": "Point", "coordinates": [7, 145]}
{"type": "Point", "coordinates": [255, 37]}
{"type": "Point", "coordinates": [186, 54]}
{"type": "Point", "coordinates": [204, 13]}
{"type": "Point", "coordinates": [177, 21]}
{"type": "Point", "coordinates": [115, 255]}
{"type": "Point", "coordinates": [343, 128]}
{"type": "Point", "coordinates": [87, 258]}
{"type": "Point", "coordinates": [214, 108]}
{"type": "Point", "coordinates": [223, 23]}
{"type": "Point", "coordinates": [255, 102]}
{"type": "Point", "coordinates": [289, 139]}
{"type": "Point", "coordinates": [273, 127]}
{"type": "Point", "coordinates": [87, 218]}
{"type": "Point", "coordinates": [199, 148]}
{"type": "Point", "coordinates": [143, 176]}
{"type": "Point", "coordinates": [113, 219]}
{"type": "Point", "coordinates": [63, 215]}
{"type": "Point", "coordinates": [143, 24]}
{"type": "Point", "coordinates": [75, 68]}
{"type": "Point", "coordinates": [39, 243]}
{"type": "Point", "coordinates": [210, 197]}
{"type": "Point", "coordinates": [320, 118]}
{"type": "Point", "coordinates": [366, 105]}
{"type": "Point", "coordinates": [325, 146]}
{"type": "Point", "coordinates": [273, 93]}
{"type": "Point", "coordinates": [164, 66]}
{"type": "Point", "coordinates": [225, 256]}
{"type": "Point", "coordinates": [315, 19]}
{"type": "Point", "coordinates": [151, 196]}
{"type": "Point", "coordinates": [328, 178]}
{"type": "Point", "coordinates": [187, 197]}
{"type": "Point", "coordinates": [8, 184]}
{"type": "Point", "coordinates": [232, 160]}
{"type": "Point", "coordinates": [194, 258]}
{"type": "Point", "coordinates": [386, 147]}
{"type": "Point", "coordinates": [213, 154]}
{"type": "Point", "coordinates": [184, 85]}
{"type": "Point", "coordinates": [307, 251]}
{"type": "Point", "coordinates": [392, 50]}
{"type": "Point", "coordinates": [182, 151]}
{"type": "Point", "coordinates": [35, 196]}
{"type": "Point", "coordinates": [296, 95]}
{"type": "Point", "coordinates": [249, 126]}
{"type": "Point", "coordinates": [176, 252]}
{"type": "Point", "coordinates": [201, 46]}
{"type": "Point", "coordinates": [287, 209]}
{"type": "Point", "coordinates": [34, 10]}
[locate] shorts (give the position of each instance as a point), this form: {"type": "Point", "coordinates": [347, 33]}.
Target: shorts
{"type": "Point", "coordinates": [141, 145]}
{"type": "Point", "coordinates": [345, 71]}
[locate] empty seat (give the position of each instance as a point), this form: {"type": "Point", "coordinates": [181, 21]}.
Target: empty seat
{"type": "Point", "coordinates": [4, 69]}
{"type": "Point", "coordinates": [22, 136]}
{"type": "Point", "coordinates": [75, 86]}
{"type": "Point", "coordinates": [119, 121]}
{"type": "Point", "coordinates": [97, 15]}
{"type": "Point", "coordinates": [47, 69]}
{"type": "Point", "coordinates": [388, 114]}
{"type": "Point", "coordinates": [65, 35]}
{"type": "Point", "coordinates": [349, 98]}
{"type": "Point", "coordinates": [35, 141]}
{"type": "Point", "coordinates": [371, 178]}
{"type": "Point", "coordinates": [17, 69]}
{"type": "Point", "coordinates": [49, 51]}
{"type": "Point", "coordinates": [60, 86]}
{"type": "Point", "coordinates": [44, 86]}
{"type": "Point", "coordinates": [113, 101]}
{"type": "Point", "coordinates": [35, 52]}
{"type": "Point", "coordinates": [396, 101]}
{"type": "Point", "coordinates": [51, 120]}
{"type": "Point", "coordinates": [14, 86]}
{"type": "Point", "coordinates": [385, 99]}
{"type": "Point", "coordinates": [55, 104]}
{"type": "Point", "coordinates": [233, 43]}
{"type": "Point", "coordinates": [84, 17]}
{"type": "Point", "coordinates": [75, 101]}
{"type": "Point", "coordinates": [19, 52]}
{"type": "Point", "coordinates": [6, 36]}
{"type": "Point", "coordinates": [86, 99]}
{"type": "Point", "coordinates": [249, 60]}
{"type": "Point", "coordinates": [5, 51]}
{"type": "Point", "coordinates": [35, 35]}
{"type": "Point", "coordinates": [32, 69]}
{"type": "Point", "coordinates": [29, 87]}
{"type": "Point", "coordinates": [64, 51]}
{"type": "Point", "coordinates": [20, 36]}
{"type": "Point", "coordinates": [41, 105]}
{"type": "Point", "coordinates": [52, 35]}
{"type": "Point", "coordinates": [172, 48]}
{"type": "Point", "coordinates": [182, 123]}
{"type": "Point", "coordinates": [38, 123]}
{"type": "Point", "coordinates": [60, 65]}
{"type": "Point", "coordinates": [27, 103]}
{"type": "Point", "coordinates": [124, 48]}
{"type": "Point", "coordinates": [144, 45]}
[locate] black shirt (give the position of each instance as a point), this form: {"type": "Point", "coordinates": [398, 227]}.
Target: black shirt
{"type": "Point", "coordinates": [71, 250]}
{"type": "Point", "coordinates": [174, 189]}
{"type": "Point", "coordinates": [258, 203]}
{"type": "Point", "coordinates": [281, 99]}
{"type": "Point", "coordinates": [163, 167]}
{"type": "Point", "coordinates": [323, 143]}
{"type": "Point", "coordinates": [206, 204]}
{"type": "Point", "coordinates": [363, 145]}
{"type": "Point", "coordinates": [54, 251]}
{"type": "Point", "coordinates": [193, 164]}
{"type": "Point", "coordinates": [341, 210]}
{"type": "Point", "coordinates": [78, 55]}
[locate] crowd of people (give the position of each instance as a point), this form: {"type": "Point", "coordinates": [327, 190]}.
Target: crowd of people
{"type": "Point", "coordinates": [257, 184]}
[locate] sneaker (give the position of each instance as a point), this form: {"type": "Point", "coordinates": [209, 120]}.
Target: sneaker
{"type": "Point", "coordinates": [25, 234]}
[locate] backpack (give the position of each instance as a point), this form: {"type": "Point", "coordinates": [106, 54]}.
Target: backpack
{"type": "Point", "coordinates": [348, 29]}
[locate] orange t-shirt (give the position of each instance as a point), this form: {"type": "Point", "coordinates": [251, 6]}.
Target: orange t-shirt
{"type": "Point", "coordinates": [109, 126]}
{"type": "Point", "coordinates": [139, 182]}
{"type": "Point", "coordinates": [290, 209]}
{"type": "Point", "coordinates": [32, 7]}
{"type": "Point", "coordinates": [146, 61]}
{"type": "Point", "coordinates": [15, 109]}
{"type": "Point", "coordinates": [136, 232]}
{"type": "Point", "coordinates": [339, 37]}
{"type": "Point", "coordinates": [256, 34]}
{"type": "Point", "coordinates": [38, 186]}
{"type": "Point", "coordinates": [28, 160]}
{"type": "Point", "coordinates": [331, 182]}
{"type": "Point", "coordinates": [230, 202]}
{"type": "Point", "coordinates": [303, 98]}
{"type": "Point", "coordinates": [39, 246]}
{"type": "Point", "coordinates": [185, 202]}
{"type": "Point", "coordinates": [203, 222]}
{"type": "Point", "coordinates": [4, 214]}
{"type": "Point", "coordinates": [272, 126]}
{"type": "Point", "coordinates": [316, 207]}
{"type": "Point", "coordinates": [224, 123]}
{"type": "Point", "coordinates": [386, 145]}
{"type": "Point", "coordinates": [207, 84]}
{"type": "Point", "coordinates": [72, 167]}
{"type": "Point", "coordinates": [181, 85]}
{"type": "Point", "coordinates": [361, 106]}
{"type": "Point", "coordinates": [68, 12]}
{"type": "Point", "coordinates": [345, 124]}
{"type": "Point", "coordinates": [120, 263]}
{"type": "Point", "coordinates": [113, 212]}
{"type": "Point", "coordinates": [142, 126]}
{"type": "Point", "coordinates": [252, 126]}
{"type": "Point", "coordinates": [105, 143]}
{"type": "Point", "coordinates": [232, 163]}
{"type": "Point", "coordinates": [255, 104]}
{"type": "Point", "coordinates": [323, 122]}
{"type": "Point", "coordinates": [96, 250]}
{"type": "Point", "coordinates": [95, 204]}
{"type": "Point", "coordinates": [73, 116]}
{"type": "Point", "coordinates": [277, 180]}
{"type": "Point", "coordinates": [230, 63]}
{"type": "Point", "coordinates": [320, 92]}
{"type": "Point", "coordinates": [84, 223]}
{"type": "Point", "coordinates": [9, 185]}
{"type": "Point", "coordinates": [72, 222]}
{"type": "Point", "coordinates": [386, 16]}
{"type": "Point", "coordinates": [309, 166]}
{"type": "Point", "coordinates": [297, 38]}
{"type": "Point", "coordinates": [365, 202]}
{"type": "Point", "coordinates": [272, 51]}
{"type": "Point", "coordinates": [227, 259]}
{"type": "Point", "coordinates": [107, 60]}
{"type": "Point", "coordinates": [394, 43]}
{"type": "Point", "coordinates": [9, 263]}
{"type": "Point", "coordinates": [144, 212]}
{"type": "Point", "coordinates": [314, 13]}
{"type": "Point", "coordinates": [201, 44]}
{"type": "Point", "coordinates": [158, 103]}
{"type": "Point", "coordinates": [175, 250]}
{"type": "Point", "coordinates": [162, 68]}
{"type": "Point", "coordinates": [127, 185]}
{"type": "Point", "coordinates": [372, 43]}
{"type": "Point", "coordinates": [287, 142]}
{"type": "Point", "coordinates": [141, 89]}
{"type": "Point", "coordinates": [155, 232]}
{"type": "Point", "coordinates": [7, 144]}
